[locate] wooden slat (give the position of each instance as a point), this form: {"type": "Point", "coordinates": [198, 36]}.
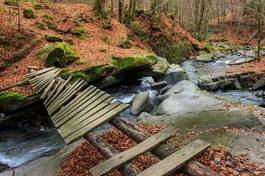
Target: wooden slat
{"type": "Point", "coordinates": [41, 80]}
{"type": "Point", "coordinates": [131, 153]}
{"type": "Point", "coordinates": [103, 118]}
{"type": "Point", "coordinates": [39, 77]}
{"type": "Point", "coordinates": [35, 73]}
{"type": "Point", "coordinates": [51, 93]}
{"type": "Point", "coordinates": [47, 82]}
{"type": "Point", "coordinates": [60, 88]}
{"type": "Point", "coordinates": [83, 109]}
{"type": "Point", "coordinates": [78, 106]}
{"type": "Point", "coordinates": [64, 92]}
{"type": "Point", "coordinates": [74, 102]}
{"type": "Point", "coordinates": [176, 160]}
{"type": "Point", "coordinates": [60, 102]}
{"type": "Point", "coordinates": [46, 91]}
{"type": "Point", "coordinates": [88, 112]}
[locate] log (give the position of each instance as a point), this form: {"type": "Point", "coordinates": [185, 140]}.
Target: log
{"type": "Point", "coordinates": [193, 168]}
{"type": "Point", "coordinates": [108, 151]}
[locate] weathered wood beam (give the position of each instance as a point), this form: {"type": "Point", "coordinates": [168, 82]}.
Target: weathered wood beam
{"type": "Point", "coordinates": [193, 168]}
{"type": "Point", "coordinates": [108, 151]}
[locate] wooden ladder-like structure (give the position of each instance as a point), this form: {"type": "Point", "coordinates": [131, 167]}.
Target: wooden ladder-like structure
{"type": "Point", "coordinates": [76, 109]}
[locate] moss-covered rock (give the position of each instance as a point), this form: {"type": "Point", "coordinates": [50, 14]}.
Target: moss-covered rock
{"type": "Point", "coordinates": [58, 54]}
{"type": "Point", "coordinates": [79, 32]}
{"type": "Point", "coordinates": [125, 43]}
{"type": "Point", "coordinates": [11, 96]}
{"type": "Point", "coordinates": [128, 63]}
{"type": "Point", "coordinates": [10, 2]}
{"type": "Point", "coordinates": [28, 13]}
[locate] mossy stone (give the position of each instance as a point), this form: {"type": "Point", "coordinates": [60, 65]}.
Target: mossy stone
{"type": "Point", "coordinates": [58, 54]}
{"type": "Point", "coordinates": [11, 96]}
{"type": "Point", "coordinates": [127, 63]}
{"type": "Point", "coordinates": [125, 43]}
{"type": "Point", "coordinates": [10, 2]}
{"type": "Point", "coordinates": [28, 13]}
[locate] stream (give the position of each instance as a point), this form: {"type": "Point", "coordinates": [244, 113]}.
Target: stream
{"type": "Point", "coordinates": [26, 142]}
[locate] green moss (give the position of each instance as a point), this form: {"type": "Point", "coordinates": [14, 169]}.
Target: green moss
{"type": "Point", "coordinates": [28, 13]}
{"type": "Point", "coordinates": [10, 2]}
{"type": "Point", "coordinates": [57, 54]}
{"type": "Point", "coordinates": [46, 23]}
{"type": "Point", "coordinates": [127, 63]}
{"type": "Point", "coordinates": [42, 26]}
{"type": "Point", "coordinates": [7, 96]}
{"type": "Point", "coordinates": [80, 32]}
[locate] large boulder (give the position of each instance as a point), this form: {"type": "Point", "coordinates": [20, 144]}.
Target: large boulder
{"type": "Point", "coordinates": [186, 97]}
{"type": "Point", "coordinates": [58, 54]}
{"type": "Point", "coordinates": [205, 58]}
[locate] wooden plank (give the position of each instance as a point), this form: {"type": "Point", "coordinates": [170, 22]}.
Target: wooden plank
{"type": "Point", "coordinates": [64, 96]}
{"type": "Point", "coordinates": [60, 102]}
{"type": "Point", "coordinates": [60, 88]}
{"type": "Point", "coordinates": [47, 77]}
{"type": "Point", "coordinates": [47, 83]}
{"type": "Point", "coordinates": [131, 153]}
{"type": "Point", "coordinates": [104, 118]}
{"type": "Point", "coordinates": [75, 101]}
{"type": "Point", "coordinates": [65, 92]}
{"type": "Point", "coordinates": [68, 129]}
{"type": "Point", "coordinates": [80, 111]}
{"type": "Point", "coordinates": [37, 78]}
{"type": "Point", "coordinates": [46, 91]}
{"type": "Point", "coordinates": [88, 111]}
{"type": "Point", "coordinates": [80, 105]}
{"type": "Point", "coordinates": [39, 72]}
{"type": "Point", "coordinates": [176, 160]}
{"type": "Point", "coordinates": [51, 93]}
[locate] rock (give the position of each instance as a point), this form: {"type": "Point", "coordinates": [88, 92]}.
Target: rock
{"type": "Point", "coordinates": [8, 100]}
{"type": "Point", "coordinates": [160, 67]}
{"type": "Point", "coordinates": [147, 81]}
{"type": "Point", "coordinates": [125, 43]}
{"type": "Point", "coordinates": [28, 13]}
{"type": "Point", "coordinates": [144, 115]}
{"type": "Point", "coordinates": [10, 2]}
{"type": "Point", "coordinates": [186, 97]}
{"type": "Point", "coordinates": [205, 58]}
{"type": "Point", "coordinates": [259, 84]}
{"type": "Point", "coordinates": [58, 54]}
{"type": "Point", "coordinates": [174, 74]}
{"type": "Point", "coordinates": [53, 38]}
{"type": "Point", "coordinates": [159, 85]}
{"type": "Point", "coordinates": [140, 102]}
{"type": "Point", "coordinates": [222, 81]}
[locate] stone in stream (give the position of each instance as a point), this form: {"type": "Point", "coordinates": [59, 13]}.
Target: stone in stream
{"type": "Point", "coordinates": [174, 74]}
{"type": "Point", "coordinates": [241, 60]}
{"type": "Point", "coordinates": [186, 97]}
{"type": "Point", "coordinates": [205, 57]}
{"type": "Point", "coordinates": [140, 103]}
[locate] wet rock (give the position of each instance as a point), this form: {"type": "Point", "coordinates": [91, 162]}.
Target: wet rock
{"type": "Point", "coordinates": [158, 69]}
{"type": "Point", "coordinates": [186, 97]}
{"type": "Point", "coordinates": [140, 103]}
{"type": "Point", "coordinates": [205, 58]}
{"type": "Point", "coordinates": [110, 81]}
{"type": "Point", "coordinates": [147, 81]}
{"type": "Point", "coordinates": [174, 74]}
{"type": "Point", "coordinates": [159, 85]}
{"type": "Point", "coordinates": [245, 80]}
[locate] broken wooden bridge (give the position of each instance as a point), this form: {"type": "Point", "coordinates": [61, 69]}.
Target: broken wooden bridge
{"type": "Point", "coordinates": [76, 109]}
